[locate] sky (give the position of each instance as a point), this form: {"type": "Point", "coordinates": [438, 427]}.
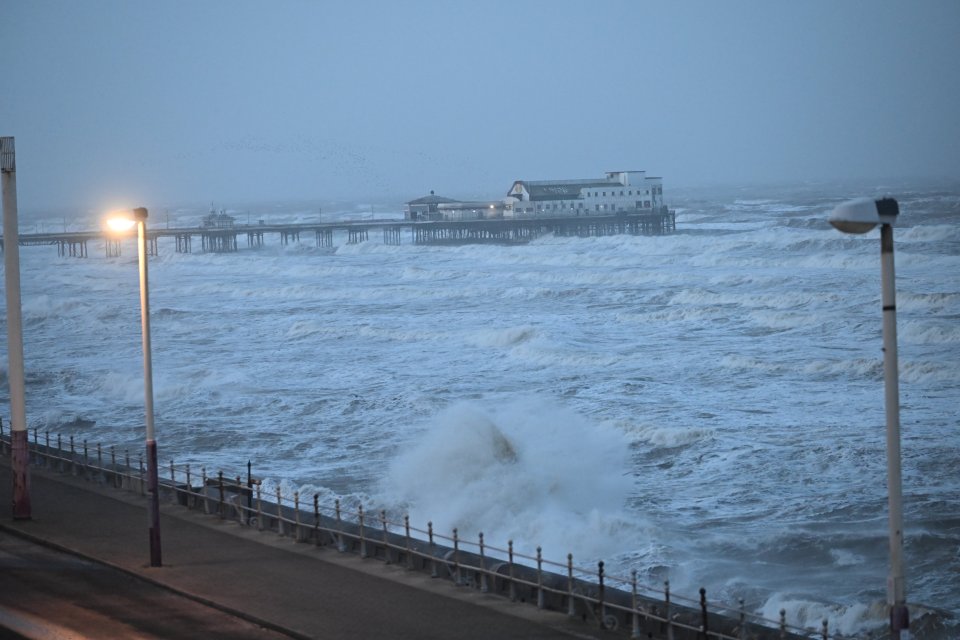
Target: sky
{"type": "Point", "coordinates": [130, 103]}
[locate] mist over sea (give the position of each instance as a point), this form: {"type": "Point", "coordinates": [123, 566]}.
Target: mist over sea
{"type": "Point", "coordinates": [704, 407]}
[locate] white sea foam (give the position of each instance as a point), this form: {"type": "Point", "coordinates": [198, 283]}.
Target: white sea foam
{"type": "Point", "coordinates": [699, 395]}
{"type": "Point", "coordinates": [847, 620]}
{"type": "Point", "coordinates": [525, 472]}
{"type": "Point", "coordinates": [668, 437]}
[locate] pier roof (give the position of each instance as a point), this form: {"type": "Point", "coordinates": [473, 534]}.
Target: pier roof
{"type": "Point", "coordinates": [431, 199]}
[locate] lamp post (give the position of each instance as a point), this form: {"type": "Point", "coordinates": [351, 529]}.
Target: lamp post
{"type": "Point", "coordinates": [121, 224]}
{"type": "Point", "coordinates": [860, 216]}
{"type": "Point", "coordinates": [15, 375]}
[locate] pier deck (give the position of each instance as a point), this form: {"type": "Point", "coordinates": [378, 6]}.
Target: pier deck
{"type": "Point", "coordinates": [433, 232]}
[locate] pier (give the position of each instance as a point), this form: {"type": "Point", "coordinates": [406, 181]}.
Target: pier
{"type": "Point", "coordinates": [517, 230]}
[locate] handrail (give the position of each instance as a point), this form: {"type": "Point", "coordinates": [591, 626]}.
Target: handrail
{"type": "Point", "coordinates": [611, 600]}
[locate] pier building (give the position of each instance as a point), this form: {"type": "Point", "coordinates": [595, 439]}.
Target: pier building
{"type": "Point", "coordinates": [426, 208]}
{"type": "Point", "coordinates": [618, 192]}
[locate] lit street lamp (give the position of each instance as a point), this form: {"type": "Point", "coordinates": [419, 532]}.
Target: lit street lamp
{"type": "Point", "coordinates": [860, 216]}
{"type": "Point", "coordinates": [119, 224]}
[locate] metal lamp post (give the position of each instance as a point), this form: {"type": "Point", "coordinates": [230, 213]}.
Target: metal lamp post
{"type": "Point", "coordinates": [15, 375]}
{"type": "Point", "coordinates": [860, 216]}
{"type": "Point", "coordinates": [140, 219]}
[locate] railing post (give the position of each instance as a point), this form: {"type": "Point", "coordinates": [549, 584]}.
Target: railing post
{"type": "Point", "coordinates": [113, 464]}
{"type": "Point", "coordinates": [189, 488]}
{"type": "Point", "coordinates": [783, 624]}
{"type": "Point", "coordinates": [281, 529]}
{"type": "Point", "coordinates": [571, 604]}
{"type": "Point", "coordinates": [386, 541]}
{"type": "Point", "coordinates": [540, 600]}
{"type": "Point", "coordinates": [433, 558]}
{"type": "Point", "coordinates": [666, 609]}
{"type": "Point", "coordinates": [249, 489]}
{"type": "Point", "coordinates": [59, 453]}
{"type": "Point", "coordinates": [316, 519]}
{"type": "Point", "coordinates": [406, 532]}
{"type": "Point", "coordinates": [142, 482]}
{"type": "Point", "coordinates": [173, 482]}
{"type": "Point", "coordinates": [484, 586]}
{"type": "Point", "coordinates": [363, 538]}
{"type": "Point", "coordinates": [259, 505]}
{"type": "Point", "coordinates": [635, 605]}
{"type": "Point", "coordinates": [220, 506]}
{"type": "Point", "coordinates": [601, 596]}
{"type": "Point", "coordinates": [203, 490]}
{"type": "Point", "coordinates": [73, 457]}
{"type": "Point", "coordinates": [456, 558]}
{"type": "Point", "coordinates": [743, 621]}
{"type": "Point", "coordinates": [704, 625]}
{"type": "Point", "coordinates": [513, 586]}
{"type": "Point", "coordinates": [826, 635]}
{"type": "Point", "coordinates": [340, 545]}
{"type": "Point", "coordinates": [46, 440]}
{"type": "Point", "coordinates": [296, 516]}
{"type": "Point", "coordinates": [237, 506]}
{"type": "Point", "coordinates": [86, 461]}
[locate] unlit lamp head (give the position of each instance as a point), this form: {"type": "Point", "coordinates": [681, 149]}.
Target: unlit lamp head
{"type": "Point", "coordinates": [863, 214]}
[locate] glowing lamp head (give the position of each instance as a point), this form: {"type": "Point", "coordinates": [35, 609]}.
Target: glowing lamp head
{"type": "Point", "coordinates": [863, 214]}
{"type": "Point", "coordinates": [120, 224]}
{"type": "Point", "coordinates": [123, 221]}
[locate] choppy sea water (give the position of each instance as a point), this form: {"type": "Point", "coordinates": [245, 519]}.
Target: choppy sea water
{"type": "Point", "coordinates": [704, 407]}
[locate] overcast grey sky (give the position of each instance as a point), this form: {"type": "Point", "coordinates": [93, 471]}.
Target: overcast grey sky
{"type": "Point", "coordinates": [126, 102]}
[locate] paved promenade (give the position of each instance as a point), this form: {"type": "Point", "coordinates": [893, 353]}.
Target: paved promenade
{"type": "Point", "coordinates": [279, 586]}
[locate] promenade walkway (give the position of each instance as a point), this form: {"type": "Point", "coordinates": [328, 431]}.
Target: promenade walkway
{"type": "Point", "coordinates": [297, 590]}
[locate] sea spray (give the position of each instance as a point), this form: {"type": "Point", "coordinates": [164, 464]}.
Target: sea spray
{"type": "Point", "coordinates": [530, 472]}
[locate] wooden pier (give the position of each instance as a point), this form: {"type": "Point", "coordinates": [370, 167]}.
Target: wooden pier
{"type": "Point", "coordinates": [436, 232]}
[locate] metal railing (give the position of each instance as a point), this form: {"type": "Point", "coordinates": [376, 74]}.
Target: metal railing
{"type": "Point", "coordinates": [610, 601]}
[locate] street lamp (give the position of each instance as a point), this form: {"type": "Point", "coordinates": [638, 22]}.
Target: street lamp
{"type": "Point", "coordinates": [122, 223]}
{"type": "Point", "coordinates": [860, 216]}
{"type": "Point", "coordinates": [19, 452]}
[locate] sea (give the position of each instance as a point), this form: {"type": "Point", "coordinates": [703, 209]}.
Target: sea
{"type": "Point", "coordinates": [704, 407]}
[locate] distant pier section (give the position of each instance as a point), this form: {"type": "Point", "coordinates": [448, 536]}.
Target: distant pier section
{"type": "Point", "coordinates": [231, 238]}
